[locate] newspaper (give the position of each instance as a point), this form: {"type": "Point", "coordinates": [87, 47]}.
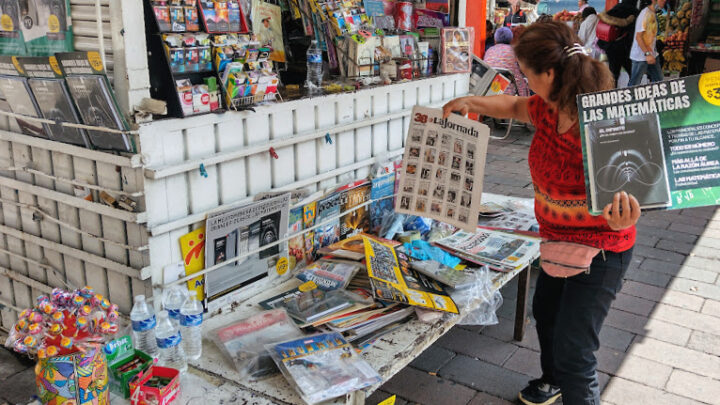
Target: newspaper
{"type": "Point", "coordinates": [240, 230]}
{"type": "Point", "coordinates": [499, 250]}
{"type": "Point", "coordinates": [443, 168]}
{"type": "Point", "coordinates": [393, 280]}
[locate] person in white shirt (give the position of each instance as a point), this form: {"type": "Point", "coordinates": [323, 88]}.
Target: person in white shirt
{"type": "Point", "coordinates": [587, 32]}
{"type": "Point", "coordinates": [643, 52]}
{"type": "Point", "coordinates": [582, 4]}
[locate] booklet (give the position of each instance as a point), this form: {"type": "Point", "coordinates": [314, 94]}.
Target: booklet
{"type": "Point", "coordinates": [329, 275]}
{"type": "Point", "coordinates": [657, 142]}
{"type": "Point", "coordinates": [502, 251]}
{"type": "Point", "coordinates": [322, 367]}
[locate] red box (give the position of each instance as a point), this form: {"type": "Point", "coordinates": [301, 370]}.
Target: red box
{"type": "Point", "coordinates": [141, 394]}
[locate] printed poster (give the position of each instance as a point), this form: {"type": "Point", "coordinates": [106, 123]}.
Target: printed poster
{"type": "Point", "coordinates": [46, 26]}
{"type": "Point", "coordinates": [443, 168]}
{"type": "Point", "coordinates": [238, 232]}
{"type": "Point", "coordinates": [12, 42]}
{"type": "Point", "coordinates": [267, 26]}
{"type": "Point", "coordinates": [192, 247]}
{"type": "Point", "coordinates": [659, 142]}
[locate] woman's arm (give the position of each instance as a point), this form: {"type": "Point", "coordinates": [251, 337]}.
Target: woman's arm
{"type": "Point", "coordinates": [502, 106]}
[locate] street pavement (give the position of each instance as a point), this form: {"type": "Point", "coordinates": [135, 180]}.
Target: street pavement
{"type": "Point", "coordinates": [660, 343]}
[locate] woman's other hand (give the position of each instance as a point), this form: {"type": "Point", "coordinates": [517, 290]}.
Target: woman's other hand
{"type": "Point", "coordinates": [460, 105]}
{"type": "Point", "coordinates": [623, 212]}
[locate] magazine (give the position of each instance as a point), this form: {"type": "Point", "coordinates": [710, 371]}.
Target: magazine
{"type": "Point", "coordinates": [353, 248]}
{"type": "Point", "coordinates": [657, 142]}
{"type": "Point", "coordinates": [329, 233]}
{"type": "Point", "coordinates": [359, 220]}
{"type": "Point", "coordinates": [444, 166]}
{"type": "Point", "coordinates": [381, 193]}
{"type": "Point", "coordinates": [311, 306]}
{"type": "Point", "coordinates": [498, 249]}
{"type": "Point", "coordinates": [244, 341]}
{"type": "Point", "coordinates": [329, 275]}
{"type": "Point", "coordinates": [323, 367]}
{"type": "Point", "coordinates": [457, 49]}
{"type": "Point", "coordinates": [486, 81]}
{"type": "Point", "coordinates": [457, 279]}
{"type": "Point", "coordinates": [236, 231]}
{"type": "Point", "coordinates": [393, 280]}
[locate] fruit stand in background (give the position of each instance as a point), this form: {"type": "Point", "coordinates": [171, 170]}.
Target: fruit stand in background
{"type": "Point", "coordinates": [673, 31]}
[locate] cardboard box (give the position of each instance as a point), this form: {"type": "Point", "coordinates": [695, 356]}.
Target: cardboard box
{"type": "Point", "coordinates": [143, 394]}
{"type": "Point", "coordinates": [120, 353]}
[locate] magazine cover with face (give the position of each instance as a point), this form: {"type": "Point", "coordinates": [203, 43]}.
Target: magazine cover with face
{"type": "Point", "coordinates": [626, 154]}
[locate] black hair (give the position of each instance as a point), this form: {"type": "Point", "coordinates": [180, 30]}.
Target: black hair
{"type": "Point", "coordinates": [587, 11]}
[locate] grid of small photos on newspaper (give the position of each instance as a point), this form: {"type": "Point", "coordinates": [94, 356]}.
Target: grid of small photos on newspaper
{"type": "Point", "coordinates": [444, 167]}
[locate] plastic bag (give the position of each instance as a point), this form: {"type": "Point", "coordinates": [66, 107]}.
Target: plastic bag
{"type": "Point", "coordinates": [244, 341]}
{"type": "Point", "coordinates": [481, 296]}
{"type": "Point", "coordinates": [421, 250]}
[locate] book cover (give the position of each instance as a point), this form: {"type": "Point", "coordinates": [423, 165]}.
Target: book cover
{"type": "Point", "coordinates": [12, 41]}
{"type": "Point", "coordinates": [626, 154]}
{"type": "Point", "coordinates": [96, 105]}
{"type": "Point", "coordinates": [55, 103]}
{"type": "Point", "coordinates": [16, 91]}
{"type": "Point", "coordinates": [46, 26]}
{"type": "Point", "coordinates": [359, 220]}
{"type": "Point", "coordinates": [381, 192]}
{"type": "Point", "coordinates": [328, 210]}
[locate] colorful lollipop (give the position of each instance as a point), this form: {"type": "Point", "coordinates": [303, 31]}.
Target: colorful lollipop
{"type": "Point", "coordinates": [21, 325]}
{"type": "Point", "coordinates": [55, 329]}
{"type": "Point", "coordinates": [30, 341]}
{"type": "Point", "coordinates": [78, 301]}
{"type": "Point", "coordinates": [42, 354]}
{"type": "Point", "coordinates": [51, 351]}
{"type": "Point", "coordinates": [48, 308]}
{"type": "Point", "coordinates": [66, 342]}
{"type": "Point", "coordinates": [20, 347]}
{"type": "Point", "coordinates": [108, 328]}
{"type": "Point", "coordinates": [85, 310]}
{"type": "Point", "coordinates": [25, 313]}
{"type": "Point", "coordinates": [35, 317]}
{"type": "Point", "coordinates": [87, 292]}
{"type": "Point", "coordinates": [34, 329]}
{"type": "Point", "coordinates": [58, 317]}
{"type": "Point", "coordinates": [81, 323]}
{"type": "Point", "coordinates": [112, 314]}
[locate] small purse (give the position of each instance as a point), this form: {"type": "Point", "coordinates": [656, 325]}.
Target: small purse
{"type": "Point", "coordinates": [566, 259]}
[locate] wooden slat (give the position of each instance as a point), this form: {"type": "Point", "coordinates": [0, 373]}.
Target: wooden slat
{"type": "Point", "coordinates": [88, 13]}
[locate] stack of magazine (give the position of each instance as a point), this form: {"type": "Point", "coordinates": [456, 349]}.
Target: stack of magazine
{"type": "Point", "coordinates": [498, 250]}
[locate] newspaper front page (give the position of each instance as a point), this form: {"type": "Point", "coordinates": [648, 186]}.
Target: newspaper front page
{"type": "Point", "coordinates": [444, 165]}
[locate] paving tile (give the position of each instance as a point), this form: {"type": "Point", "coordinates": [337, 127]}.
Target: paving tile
{"type": "Point", "coordinates": [615, 338]}
{"type": "Point", "coordinates": [677, 356]}
{"type": "Point", "coordinates": [654, 222]}
{"type": "Point", "coordinates": [696, 288]}
{"type": "Point", "coordinates": [620, 391]}
{"type": "Point", "coordinates": [659, 254]}
{"type": "Point", "coordinates": [635, 305]}
{"type": "Point", "coordinates": [432, 359]}
{"type": "Point", "coordinates": [423, 388]}
{"type": "Point", "coordinates": [711, 307]}
{"type": "Point", "coordinates": [647, 239]}
{"type": "Point", "coordinates": [708, 241]}
{"type": "Point", "coordinates": [644, 326]}
{"type": "Point", "coordinates": [679, 247]}
{"type": "Point", "coordinates": [10, 364]}
{"type": "Point", "coordinates": [648, 277]}
{"type": "Point", "coordinates": [609, 360]}
{"type": "Point", "coordinates": [525, 361]}
{"type": "Point", "coordinates": [501, 331]}
{"type": "Point", "coordinates": [644, 371]}
{"type": "Point", "coordinates": [379, 396]}
{"type": "Point", "coordinates": [689, 229]}
{"type": "Point", "coordinates": [664, 234]}
{"type": "Point", "coordinates": [688, 319]}
{"type": "Point", "coordinates": [19, 388]}
{"type": "Point", "coordinates": [478, 346]}
{"type": "Point", "coordinates": [686, 270]}
{"type": "Point", "coordinates": [657, 294]}
{"type": "Point", "coordinates": [704, 342]}
{"type": "Point", "coordinates": [694, 386]}
{"type": "Point", "coordinates": [530, 340]}
{"type": "Point", "coordinates": [486, 399]}
{"type": "Point", "coordinates": [484, 377]}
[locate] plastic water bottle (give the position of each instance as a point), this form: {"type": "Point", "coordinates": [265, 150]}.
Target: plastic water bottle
{"type": "Point", "coordinates": [314, 68]}
{"type": "Point", "coordinates": [169, 342]}
{"type": "Point", "coordinates": [173, 298]}
{"type": "Point", "coordinates": [191, 317]}
{"type": "Point", "coordinates": [143, 326]}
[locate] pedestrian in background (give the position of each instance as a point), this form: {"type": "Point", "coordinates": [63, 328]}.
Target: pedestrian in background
{"type": "Point", "coordinates": [587, 32]}
{"type": "Point", "coordinates": [643, 52]}
{"type": "Point", "coordinates": [623, 17]}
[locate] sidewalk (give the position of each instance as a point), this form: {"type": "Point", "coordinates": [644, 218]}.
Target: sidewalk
{"type": "Point", "coordinates": [660, 343]}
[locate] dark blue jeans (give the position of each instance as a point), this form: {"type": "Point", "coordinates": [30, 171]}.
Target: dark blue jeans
{"type": "Point", "coordinates": [654, 72]}
{"type": "Point", "coordinates": [569, 314]}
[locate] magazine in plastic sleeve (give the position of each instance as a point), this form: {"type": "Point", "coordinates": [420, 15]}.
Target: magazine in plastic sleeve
{"type": "Point", "coordinates": [328, 275]}
{"type": "Point", "coordinates": [323, 367]}
{"type": "Point", "coordinates": [244, 341]}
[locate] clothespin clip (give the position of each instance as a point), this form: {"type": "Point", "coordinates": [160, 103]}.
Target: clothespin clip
{"type": "Point", "coordinates": [328, 139]}
{"type": "Point", "coordinates": [203, 172]}
{"type": "Point", "coordinates": [273, 153]}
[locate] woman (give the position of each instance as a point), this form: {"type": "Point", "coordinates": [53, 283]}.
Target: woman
{"type": "Point", "coordinates": [623, 17]}
{"type": "Point", "coordinates": [570, 311]}
{"type": "Point", "coordinates": [587, 31]}
{"type": "Point", "coordinates": [501, 55]}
